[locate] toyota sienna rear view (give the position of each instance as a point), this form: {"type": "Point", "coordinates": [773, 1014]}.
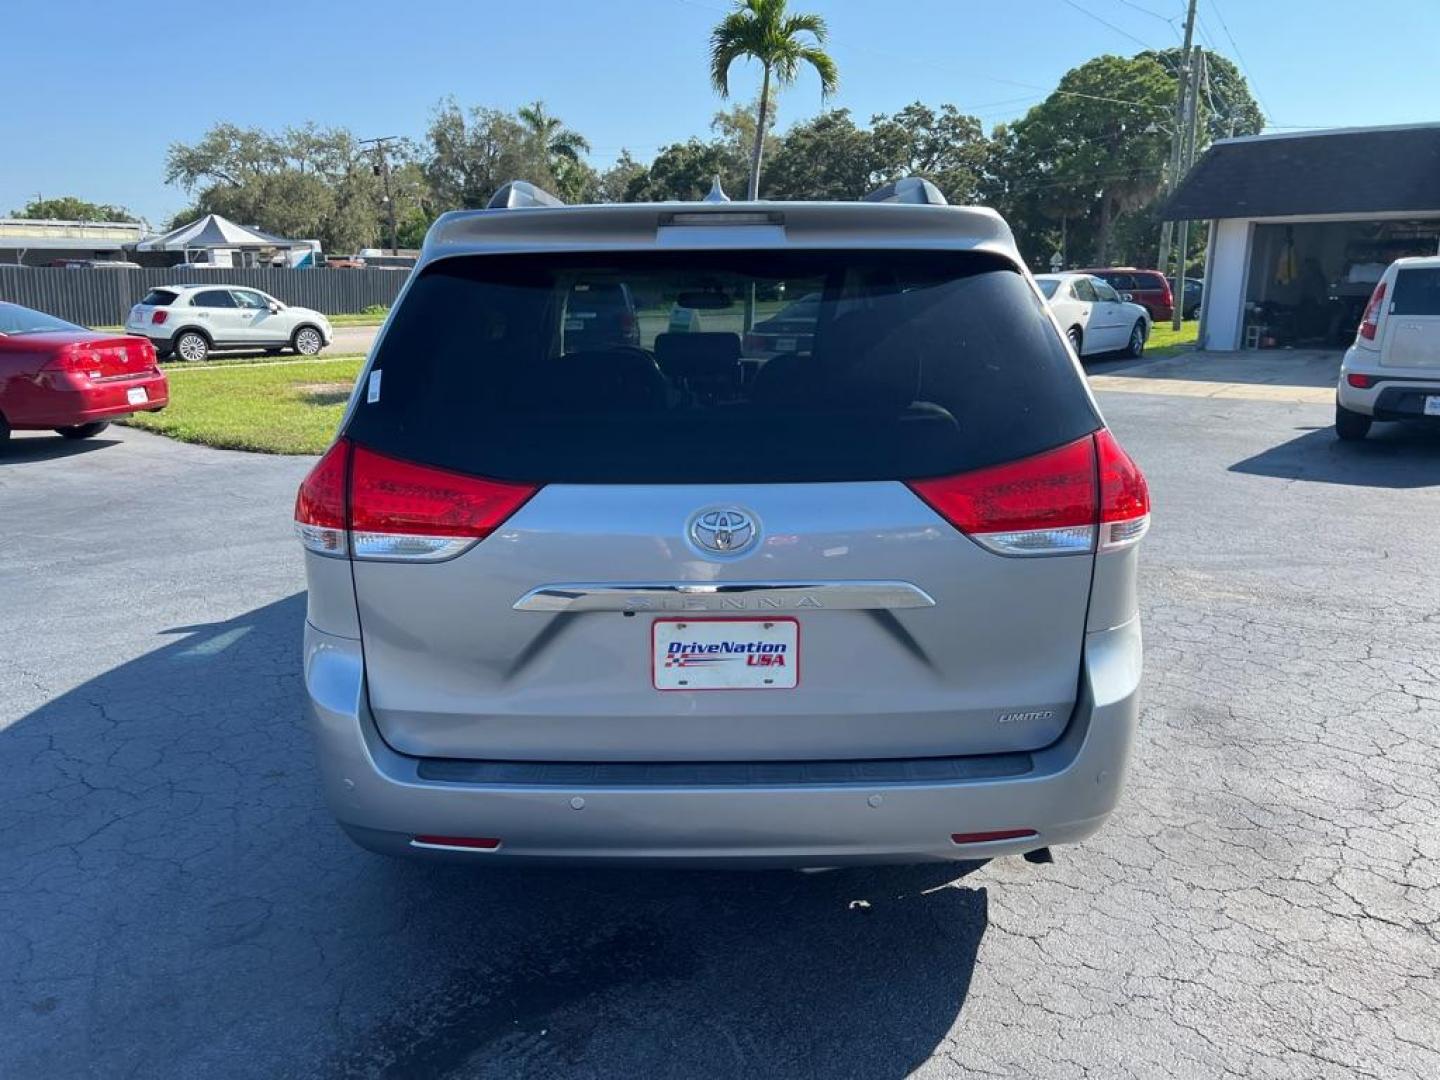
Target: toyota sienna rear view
{"type": "Point", "coordinates": [862, 591]}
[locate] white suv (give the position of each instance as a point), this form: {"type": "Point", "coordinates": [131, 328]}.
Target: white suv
{"type": "Point", "coordinates": [188, 321]}
{"type": "Point", "coordinates": [1392, 372]}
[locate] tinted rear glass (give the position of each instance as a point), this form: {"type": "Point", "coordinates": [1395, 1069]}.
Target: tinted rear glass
{"type": "Point", "coordinates": [1417, 292]}
{"type": "Point", "coordinates": [159, 298]}
{"type": "Point", "coordinates": [907, 366]}
{"type": "Point", "coordinates": [213, 298]}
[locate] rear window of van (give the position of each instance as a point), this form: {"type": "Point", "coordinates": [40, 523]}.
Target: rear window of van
{"type": "Point", "coordinates": [914, 365]}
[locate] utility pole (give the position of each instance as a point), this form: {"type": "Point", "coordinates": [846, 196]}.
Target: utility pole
{"type": "Point", "coordinates": [383, 169]}
{"type": "Point", "coordinates": [1177, 136]}
{"type": "Point", "coordinates": [1192, 136]}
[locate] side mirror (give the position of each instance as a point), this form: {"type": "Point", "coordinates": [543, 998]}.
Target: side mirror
{"type": "Point", "coordinates": [274, 307]}
{"type": "Point", "coordinates": [1127, 297]}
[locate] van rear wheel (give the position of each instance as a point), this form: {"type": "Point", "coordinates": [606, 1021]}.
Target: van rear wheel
{"type": "Point", "coordinates": [1351, 426]}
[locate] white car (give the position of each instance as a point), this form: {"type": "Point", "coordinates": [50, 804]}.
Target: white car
{"type": "Point", "coordinates": [188, 321]}
{"type": "Point", "coordinates": [1095, 317]}
{"type": "Point", "coordinates": [1392, 372]}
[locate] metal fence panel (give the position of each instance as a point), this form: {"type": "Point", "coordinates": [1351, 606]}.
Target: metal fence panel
{"type": "Point", "coordinates": [104, 297]}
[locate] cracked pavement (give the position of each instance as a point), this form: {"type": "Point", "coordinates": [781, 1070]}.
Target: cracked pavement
{"type": "Point", "coordinates": [175, 901]}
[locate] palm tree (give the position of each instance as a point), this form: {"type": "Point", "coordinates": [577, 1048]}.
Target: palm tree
{"type": "Point", "coordinates": [762, 30]}
{"type": "Point", "coordinates": [559, 143]}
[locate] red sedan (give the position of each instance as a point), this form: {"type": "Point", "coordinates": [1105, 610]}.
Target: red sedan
{"type": "Point", "coordinates": [59, 376]}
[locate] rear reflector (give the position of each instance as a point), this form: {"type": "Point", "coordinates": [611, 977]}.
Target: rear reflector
{"type": "Point", "coordinates": [1060, 502]}
{"type": "Point", "coordinates": [365, 505]}
{"type": "Point", "coordinates": [986, 837]}
{"type": "Point", "coordinates": [462, 843]}
{"type": "Point", "coordinates": [1360, 382]}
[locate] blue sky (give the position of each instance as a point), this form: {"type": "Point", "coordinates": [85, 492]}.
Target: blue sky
{"type": "Point", "coordinates": [95, 90]}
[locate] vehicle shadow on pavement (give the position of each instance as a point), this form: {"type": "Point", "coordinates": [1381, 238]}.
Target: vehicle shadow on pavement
{"type": "Point", "coordinates": [177, 902]}
{"type": "Point", "coordinates": [23, 447]}
{"type": "Point", "coordinates": [1392, 456]}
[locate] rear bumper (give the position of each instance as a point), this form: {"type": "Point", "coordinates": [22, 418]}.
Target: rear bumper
{"type": "Point", "coordinates": [382, 800]}
{"type": "Point", "coordinates": [1396, 394]}
{"type": "Point", "coordinates": [44, 409]}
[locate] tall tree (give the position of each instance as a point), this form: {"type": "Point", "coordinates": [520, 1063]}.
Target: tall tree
{"type": "Point", "coordinates": [565, 150]}
{"type": "Point", "coordinates": [1099, 141]}
{"type": "Point", "coordinates": [685, 171]}
{"type": "Point", "coordinates": [947, 148]}
{"type": "Point", "coordinates": [828, 157]}
{"type": "Point", "coordinates": [613, 185]}
{"type": "Point", "coordinates": [70, 208]}
{"type": "Point", "coordinates": [471, 153]}
{"type": "Point", "coordinates": [304, 183]}
{"type": "Point", "coordinates": [764, 31]}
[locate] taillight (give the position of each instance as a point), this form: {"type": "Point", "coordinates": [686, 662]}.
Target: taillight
{"type": "Point", "coordinates": [1060, 502]}
{"type": "Point", "coordinates": [1124, 495]}
{"type": "Point", "coordinates": [399, 510]}
{"type": "Point", "coordinates": [369, 506]}
{"type": "Point", "coordinates": [159, 316]}
{"type": "Point", "coordinates": [1370, 324]}
{"type": "Point", "coordinates": [320, 516]}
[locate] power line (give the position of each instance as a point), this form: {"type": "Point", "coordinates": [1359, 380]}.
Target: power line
{"type": "Point", "coordinates": [1240, 59]}
{"type": "Point", "coordinates": [1106, 22]}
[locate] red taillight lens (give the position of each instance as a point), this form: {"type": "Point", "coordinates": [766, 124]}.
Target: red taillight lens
{"type": "Point", "coordinates": [402, 510]}
{"type": "Point", "coordinates": [370, 506]}
{"type": "Point", "coordinates": [159, 317]}
{"type": "Point", "coordinates": [1050, 504]}
{"type": "Point", "coordinates": [1370, 324]}
{"type": "Point", "coordinates": [1041, 505]}
{"type": "Point", "coordinates": [1124, 495]}
{"type": "Point", "coordinates": [320, 503]}
{"type": "Point", "coordinates": [1360, 382]}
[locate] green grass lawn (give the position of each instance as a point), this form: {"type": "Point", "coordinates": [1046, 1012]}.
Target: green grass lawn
{"type": "Point", "coordinates": [270, 408]}
{"type": "Point", "coordinates": [1166, 342]}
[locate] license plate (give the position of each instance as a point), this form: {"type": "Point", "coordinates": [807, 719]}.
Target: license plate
{"type": "Point", "coordinates": [784, 344]}
{"type": "Point", "coordinates": [136, 395]}
{"type": "Point", "coordinates": [725, 654]}
{"type": "Point", "coordinates": [1432, 405]}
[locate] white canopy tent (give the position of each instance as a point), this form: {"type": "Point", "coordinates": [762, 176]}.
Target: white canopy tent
{"type": "Point", "coordinates": [219, 238]}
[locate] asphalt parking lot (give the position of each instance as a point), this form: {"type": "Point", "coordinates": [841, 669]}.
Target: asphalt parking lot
{"type": "Point", "coordinates": [175, 901]}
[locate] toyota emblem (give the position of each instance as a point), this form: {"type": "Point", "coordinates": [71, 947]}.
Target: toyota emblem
{"type": "Point", "coordinates": [725, 531]}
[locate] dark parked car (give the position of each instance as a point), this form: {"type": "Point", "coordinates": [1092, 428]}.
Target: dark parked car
{"type": "Point", "coordinates": [1194, 292]}
{"type": "Point", "coordinates": [600, 315]}
{"type": "Point", "coordinates": [1146, 287]}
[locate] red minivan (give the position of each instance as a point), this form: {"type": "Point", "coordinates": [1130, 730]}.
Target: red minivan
{"type": "Point", "coordinates": [1149, 288]}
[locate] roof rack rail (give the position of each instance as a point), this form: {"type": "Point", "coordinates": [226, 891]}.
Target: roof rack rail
{"type": "Point", "coordinates": [915, 190]}
{"type": "Point", "coordinates": [520, 193]}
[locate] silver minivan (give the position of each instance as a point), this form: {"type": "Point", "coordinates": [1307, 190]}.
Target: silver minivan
{"type": "Point", "coordinates": [863, 593]}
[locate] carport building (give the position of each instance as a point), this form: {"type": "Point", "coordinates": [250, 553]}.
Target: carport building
{"type": "Point", "coordinates": [1303, 225]}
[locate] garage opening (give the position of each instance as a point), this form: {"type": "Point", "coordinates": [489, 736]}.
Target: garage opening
{"type": "Point", "coordinates": [1308, 283]}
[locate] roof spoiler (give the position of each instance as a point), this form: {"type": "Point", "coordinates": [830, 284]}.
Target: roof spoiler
{"type": "Point", "coordinates": [915, 190]}
{"type": "Point", "coordinates": [519, 194]}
